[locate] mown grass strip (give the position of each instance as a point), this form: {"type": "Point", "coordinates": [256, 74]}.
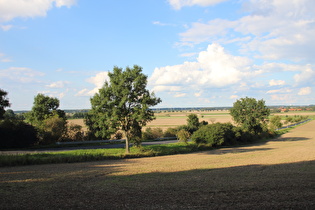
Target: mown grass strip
{"type": "Point", "coordinates": [97, 154]}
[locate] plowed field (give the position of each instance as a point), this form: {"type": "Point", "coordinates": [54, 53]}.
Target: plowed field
{"type": "Point", "coordinates": [278, 174]}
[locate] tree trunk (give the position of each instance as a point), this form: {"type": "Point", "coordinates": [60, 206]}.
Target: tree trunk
{"type": "Point", "coordinates": [127, 142]}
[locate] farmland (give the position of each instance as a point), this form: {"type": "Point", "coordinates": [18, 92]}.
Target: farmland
{"type": "Point", "coordinates": [274, 174]}
{"type": "Point", "coordinates": [172, 119]}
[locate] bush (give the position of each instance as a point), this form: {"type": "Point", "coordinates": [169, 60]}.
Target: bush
{"type": "Point", "coordinates": [75, 133]}
{"type": "Point", "coordinates": [17, 134]}
{"type": "Point", "coordinates": [170, 132]}
{"type": "Point", "coordinates": [152, 133]}
{"type": "Point", "coordinates": [215, 134]}
{"type": "Point", "coordinates": [183, 135]}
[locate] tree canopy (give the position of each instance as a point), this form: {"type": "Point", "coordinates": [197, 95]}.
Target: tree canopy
{"type": "Point", "coordinates": [250, 114]}
{"type": "Point", "coordinates": [123, 103]}
{"type": "Point", "coordinates": [44, 107]}
{"type": "Point", "coordinates": [4, 102]}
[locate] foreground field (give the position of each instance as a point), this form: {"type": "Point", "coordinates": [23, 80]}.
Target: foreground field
{"type": "Point", "coordinates": [276, 174]}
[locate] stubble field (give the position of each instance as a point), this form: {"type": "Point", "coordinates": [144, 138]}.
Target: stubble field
{"type": "Point", "coordinates": [277, 174]}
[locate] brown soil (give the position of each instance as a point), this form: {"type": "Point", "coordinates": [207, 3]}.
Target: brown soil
{"type": "Point", "coordinates": [278, 174]}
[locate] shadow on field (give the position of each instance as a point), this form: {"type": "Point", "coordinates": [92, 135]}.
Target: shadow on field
{"type": "Point", "coordinates": [290, 139]}
{"type": "Point", "coordinates": [223, 151]}
{"type": "Point", "coordinates": [93, 186]}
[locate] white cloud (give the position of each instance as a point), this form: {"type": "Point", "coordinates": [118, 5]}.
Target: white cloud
{"type": "Point", "coordinates": [269, 30]}
{"type": "Point", "coordinates": [178, 4]}
{"type": "Point", "coordinates": [234, 96]}
{"type": "Point", "coordinates": [198, 94]}
{"type": "Point", "coordinates": [10, 9]}
{"type": "Point", "coordinates": [306, 76]}
{"type": "Point", "coordinates": [282, 90]}
{"type": "Point", "coordinates": [162, 24]}
{"type": "Point", "coordinates": [6, 27]}
{"type": "Point", "coordinates": [58, 84]}
{"type": "Point", "coordinates": [4, 59]}
{"type": "Point", "coordinates": [213, 68]}
{"type": "Point", "coordinates": [305, 91]}
{"type": "Point", "coordinates": [276, 82]}
{"type": "Point", "coordinates": [20, 74]}
{"type": "Point", "coordinates": [179, 95]}
{"type": "Point", "coordinates": [161, 88]}
{"type": "Point", "coordinates": [98, 81]}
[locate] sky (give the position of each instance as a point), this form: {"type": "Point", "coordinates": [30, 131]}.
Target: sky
{"type": "Point", "coordinates": [196, 53]}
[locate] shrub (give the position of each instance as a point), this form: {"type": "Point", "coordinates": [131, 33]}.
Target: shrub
{"type": "Point", "coordinates": [275, 122]}
{"type": "Point", "coordinates": [170, 132]}
{"type": "Point", "coordinates": [183, 135]}
{"type": "Point", "coordinates": [152, 133]}
{"type": "Point", "coordinates": [17, 134]}
{"type": "Point", "coordinates": [75, 133]}
{"type": "Point", "coordinates": [215, 134]}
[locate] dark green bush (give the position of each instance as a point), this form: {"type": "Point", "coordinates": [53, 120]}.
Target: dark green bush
{"type": "Point", "coordinates": [17, 134]}
{"type": "Point", "coordinates": [215, 134]}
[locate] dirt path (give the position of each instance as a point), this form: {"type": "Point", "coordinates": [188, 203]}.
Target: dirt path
{"type": "Point", "coordinates": [278, 174]}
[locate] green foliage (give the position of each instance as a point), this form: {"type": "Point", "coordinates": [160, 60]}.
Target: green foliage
{"type": "Point", "coordinates": [43, 108]}
{"type": "Point", "coordinates": [152, 133]}
{"type": "Point", "coordinates": [4, 102]}
{"type": "Point", "coordinates": [183, 135]}
{"type": "Point", "coordinates": [215, 134]}
{"type": "Point", "coordinates": [17, 134]}
{"type": "Point", "coordinates": [193, 123]}
{"type": "Point", "coordinates": [123, 103]}
{"type": "Point", "coordinates": [250, 114]}
{"type": "Point", "coordinates": [50, 121]}
{"type": "Point", "coordinates": [118, 135]}
{"type": "Point", "coordinates": [9, 114]}
{"type": "Point", "coordinates": [170, 132]}
{"type": "Point", "coordinates": [275, 122]}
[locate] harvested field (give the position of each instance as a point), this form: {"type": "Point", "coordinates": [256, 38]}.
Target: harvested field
{"type": "Point", "coordinates": [278, 174]}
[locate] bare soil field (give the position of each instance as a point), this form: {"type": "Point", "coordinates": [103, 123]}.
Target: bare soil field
{"type": "Point", "coordinates": [278, 174]}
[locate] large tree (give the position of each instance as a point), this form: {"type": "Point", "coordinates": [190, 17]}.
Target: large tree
{"type": "Point", "coordinates": [250, 114]}
{"type": "Point", "coordinates": [4, 102]}
{"type": "Point", "coordinates": [123, 103]}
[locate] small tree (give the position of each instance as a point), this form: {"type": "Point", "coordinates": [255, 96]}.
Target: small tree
{"type": "Point", "coordinates": [193, 123]}
{"type": "Point", "coordinates": [251, 114]}
{"type": "Point", "coordinates": [183, 135]}
{"type": "Point", "coordinates": [44, 107]}
{"type": "Point", "coordinates": [4, 102]}
{"type": "Point", "coordinates": [123, 103]}
{"type": "Point", "coordinates": [50, 121]}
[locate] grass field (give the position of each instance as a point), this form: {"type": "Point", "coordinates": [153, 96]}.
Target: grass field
{"type": "Point", "coordinates": [278, 174]}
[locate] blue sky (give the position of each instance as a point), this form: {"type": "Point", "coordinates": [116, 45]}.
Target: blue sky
{"type": "Point", "coordinates": [195, 52]}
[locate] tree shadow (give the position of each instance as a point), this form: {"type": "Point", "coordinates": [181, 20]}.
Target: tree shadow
{"type": "Point", "coordinates": [290, 139]}
{"type": "Point", "coordinates": [235, 150]}
{"type": "Point", "coordinates": [280, 186]}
